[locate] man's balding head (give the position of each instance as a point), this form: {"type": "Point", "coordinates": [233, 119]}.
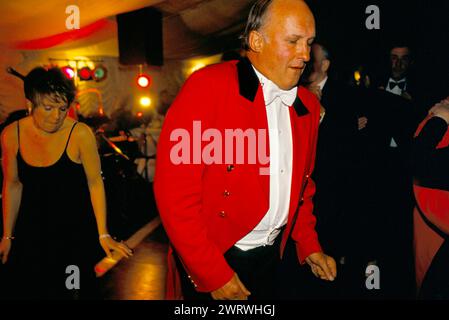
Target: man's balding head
{"type": "Point", "coordinates": [279, 34]}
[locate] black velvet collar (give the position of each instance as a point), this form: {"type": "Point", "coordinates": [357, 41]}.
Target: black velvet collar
{"type": "Point", "coordinates": [249, 84]}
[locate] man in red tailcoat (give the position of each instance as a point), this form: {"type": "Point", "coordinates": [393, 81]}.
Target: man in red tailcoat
{"type": "Point", "coordinates": [228, 212]}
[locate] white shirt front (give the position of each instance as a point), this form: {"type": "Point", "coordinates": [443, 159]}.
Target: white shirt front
{"type": "Point", "coordinates": [322, 83]}
{"type": "Point", "coordinates": [397, 91]}
{"type": "Point", "coordinates": [281, 165]}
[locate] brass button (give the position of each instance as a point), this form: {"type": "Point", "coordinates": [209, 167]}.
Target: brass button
{"type": "Point", "coordinates": [222, 214]}
{"type": "Point", "coordinates": [226, 193]}
{"type": "Point", "coordinates": [230, 167]}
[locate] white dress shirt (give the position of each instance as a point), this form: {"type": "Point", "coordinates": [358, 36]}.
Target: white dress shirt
{"type": "Point", "coordinates": [397, 91]}
{"type": "Point", "coordinates": [322, 83]}
{"type": "Point", "coordinates": [277, 103]}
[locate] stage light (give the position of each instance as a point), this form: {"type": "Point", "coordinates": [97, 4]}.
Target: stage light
{"type": "Point", "coordinates": [197, 67]}
{"type": "Point", "coordinates": [99, 73]}
{"type": "Point", "coordinates": [68, 71]}
{"type": "Point", "coordinates": [85, 73]}
{"type": "Point", "coordinates": [357, 76]}
{"type": "Point", "coordinates": [145, 102]}
{"type": "Point", "coordinates": [139, 114]}
{"type": "Point", "coordinates": [143, 81]}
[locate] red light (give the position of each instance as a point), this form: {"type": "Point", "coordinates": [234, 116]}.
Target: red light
{"type": "Point", "coordinates": [85, 73]}
{"type": "Point", "coordinates": [139, 114]}
{"type": "Point", "coordinates": [68, 71]}
{"type": "Point", "coordinates": [143, 81]}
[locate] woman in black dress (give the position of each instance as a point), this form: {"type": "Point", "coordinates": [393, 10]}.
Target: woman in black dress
{"type": "Point", "coordinates": [54, 208]}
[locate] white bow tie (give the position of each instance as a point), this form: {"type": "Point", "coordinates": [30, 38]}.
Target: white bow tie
{"type": "Point", "coordinates": [271, 92]}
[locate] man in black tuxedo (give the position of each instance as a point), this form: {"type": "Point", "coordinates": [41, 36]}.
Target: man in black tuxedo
{"type": "Point", "coordinates": [333, 176]}
{"type": "Point", "coordinates": [399, 82]}
{"type": "Point", "coordinates": [335, 150]}
{"type": "Point", "coordinates": [394, 117]}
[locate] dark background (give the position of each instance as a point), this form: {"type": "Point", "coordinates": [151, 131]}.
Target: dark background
{"type": "Point", "coordinates": [422, 24]}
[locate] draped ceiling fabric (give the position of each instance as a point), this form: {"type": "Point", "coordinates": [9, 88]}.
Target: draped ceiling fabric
{"type": "Point", "coordinates": [34, 27]}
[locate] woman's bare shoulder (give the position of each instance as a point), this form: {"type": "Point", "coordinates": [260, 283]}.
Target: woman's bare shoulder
{"type": "Point", "coordinates": [9, 135]}
{"type": "Point", "coordinates": [82, 131]}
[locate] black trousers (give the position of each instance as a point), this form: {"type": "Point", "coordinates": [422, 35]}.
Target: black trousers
{"type": "Point", "coordinates": [256, 269]}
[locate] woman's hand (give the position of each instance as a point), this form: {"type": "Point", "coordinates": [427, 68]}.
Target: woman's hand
{"type": "Point", "coordinates": [109, 244]}
{"type": "Point", "coordinates": [441, 110]}
{"type": "Point", "coordinates": [5, 247]}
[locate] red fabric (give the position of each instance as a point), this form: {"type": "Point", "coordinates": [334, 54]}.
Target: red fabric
{"type": "Point", "coordinates": [190, 197]}
{"type": "Point", "coordinates": [434, 204]}
{"type": "Point", "coordinates": [426, 241]}
{"type": "Point", "coordinates": [72, 114]}
{"type": "Point", "coordinates": [58, 39]}
{"type": "Point", "coordinates": [444, 141]}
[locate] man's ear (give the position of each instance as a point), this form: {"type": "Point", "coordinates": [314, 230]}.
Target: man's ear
{"type": "Point", "coordinates": [325, 65]}
{"type": "Point", "coordinates": [256, 41]}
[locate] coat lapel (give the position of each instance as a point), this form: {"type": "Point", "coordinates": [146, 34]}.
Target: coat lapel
{"type": "Point", "coordinates": [251, 91]}
{"type": "Point", "coordinates": [301, 146]}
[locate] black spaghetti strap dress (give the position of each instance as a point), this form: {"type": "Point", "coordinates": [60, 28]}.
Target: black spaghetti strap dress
{"type": "Point", "coordinates": [55, 229]}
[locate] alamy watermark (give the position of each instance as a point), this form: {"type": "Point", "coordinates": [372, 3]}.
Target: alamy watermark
{"type": "Point", "coordinates": [72, 282]}
{"type": "Point", "coordinates": [372, 274]}
{"type": "Point", "coordinates": [231, 146]}
{"type": "Point", "coordinates": [72, 22]}
{"type": "Point", "coordinates": [372, 22]}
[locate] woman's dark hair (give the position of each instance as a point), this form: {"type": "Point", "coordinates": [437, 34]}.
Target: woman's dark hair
{"type": "Point", "coordinates": [51, 82]}
{"type": "Point", "coordinates": [255, 20]}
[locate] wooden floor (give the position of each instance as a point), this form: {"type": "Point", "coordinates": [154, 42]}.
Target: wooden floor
{"type": "Point", "coordinates": [141, 277]}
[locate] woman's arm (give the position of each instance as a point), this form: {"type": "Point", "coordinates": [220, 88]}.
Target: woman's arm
{"type": "Point", "coordinates": [91, 163]}
{"type": "Point", "coordinates": [12, 187]}
{"type": "Point", "coordinates": [430, 163]}
{"type": "Point", "coordinates": [92, 168]}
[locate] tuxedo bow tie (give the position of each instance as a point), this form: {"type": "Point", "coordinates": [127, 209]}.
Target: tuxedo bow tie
{"type": "Point", "coordinates": [271, 92]}
{"type": "Point", "coordinates": [400, 84]}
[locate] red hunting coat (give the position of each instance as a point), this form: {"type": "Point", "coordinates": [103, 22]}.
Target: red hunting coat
{"type": "Point", "coordinates": [207, 208]}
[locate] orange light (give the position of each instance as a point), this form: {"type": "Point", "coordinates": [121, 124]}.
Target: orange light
{"type": "Point", "coordinates": [139, 114]}
{"type": "Point", "coordinates": [357, 76]}
{"type": "Point", "coordinates": [145, 102]}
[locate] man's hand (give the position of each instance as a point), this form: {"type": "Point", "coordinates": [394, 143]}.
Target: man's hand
{"type": "Point", "coordinates": [322, 265]}
{"type": "Point", "coordinates": [406, 95]}
{"type": "Point", "coordinates": [362, 122]}
{"type": "Point", "coordinates": [233, 290]}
